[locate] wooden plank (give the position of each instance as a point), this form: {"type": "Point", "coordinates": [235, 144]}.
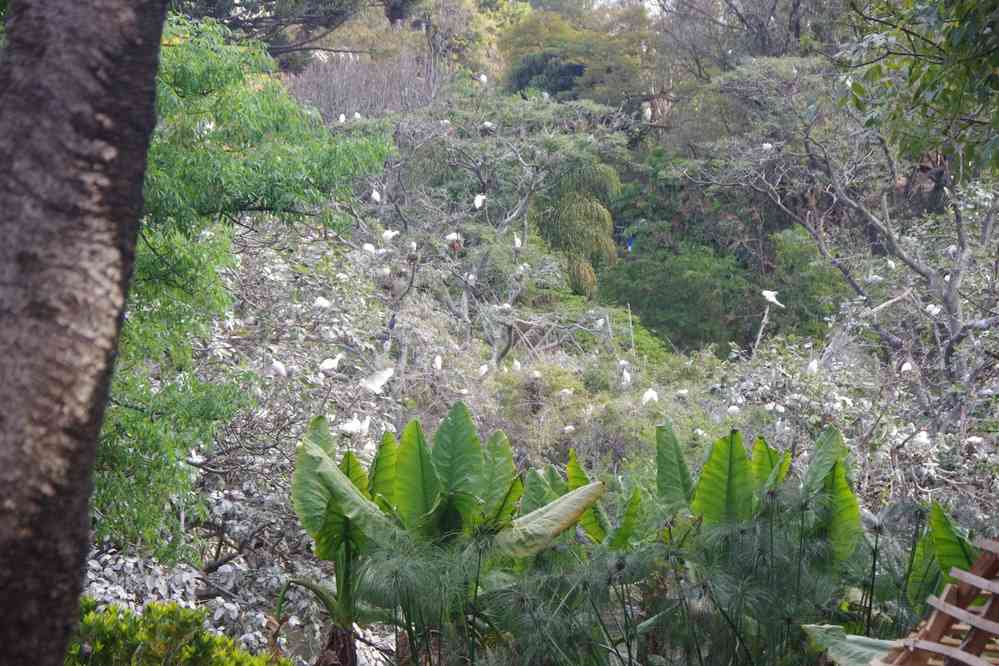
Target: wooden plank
{"type": "Point", "coordinates": [949, 652]}
{"type": "Point", "coordinates": [972, 580]}
{"type": "Point", "coordinates": [977, 638]}
{"type": "Point", "coordinates": [964, 616]}
{"type": "Point", "coordinates": [989, 545]}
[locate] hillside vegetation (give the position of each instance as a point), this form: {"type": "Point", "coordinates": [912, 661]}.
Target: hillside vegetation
{"type": "Point", "coordinates": [553, 332]}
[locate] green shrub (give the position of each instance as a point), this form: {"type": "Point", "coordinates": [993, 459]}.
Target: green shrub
{"type": "Point", "coordinates": [165, 634]}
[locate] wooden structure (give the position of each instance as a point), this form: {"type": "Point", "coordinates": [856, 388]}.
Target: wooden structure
{"type": "Point", "coordinates": [963, 628]}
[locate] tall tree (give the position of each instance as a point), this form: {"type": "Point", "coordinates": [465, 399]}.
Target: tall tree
{"type": "Point", "coordinates": [77, 107]}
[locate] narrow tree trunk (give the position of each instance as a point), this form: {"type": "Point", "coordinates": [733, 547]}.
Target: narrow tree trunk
{"type": "Point", "coordinates": [76, 113]}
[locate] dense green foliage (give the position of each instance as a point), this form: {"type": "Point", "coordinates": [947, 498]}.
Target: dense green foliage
{"type": "Point", "coordinates": [927, 75]}
{"type": "Point", "coordinates": [164, 634]}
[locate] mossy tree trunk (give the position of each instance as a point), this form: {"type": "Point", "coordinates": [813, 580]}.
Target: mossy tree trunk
{"type": "Point", "coordinates": [77, 89]}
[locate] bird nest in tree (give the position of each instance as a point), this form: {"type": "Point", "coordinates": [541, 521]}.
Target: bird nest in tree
{"type": "Point", "coordinates": [963, 627]}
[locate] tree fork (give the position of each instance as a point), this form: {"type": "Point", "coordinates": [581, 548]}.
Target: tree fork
{"type": "Point", "coordinates": [77, 108]}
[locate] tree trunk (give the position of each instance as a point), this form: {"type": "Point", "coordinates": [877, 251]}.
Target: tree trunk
{"type": "Point", "coordinates": [77, 84]}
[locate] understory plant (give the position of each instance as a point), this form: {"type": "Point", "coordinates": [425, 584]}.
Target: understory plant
{"type": "Point", "coordinates": [417, 535]}
{"type": "Point", "coordinates": [472, 562]}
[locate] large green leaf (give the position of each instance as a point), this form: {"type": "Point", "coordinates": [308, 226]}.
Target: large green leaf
{"type": "Point", "coordinates": [829, 450]}
{"type": "Point", "coordinates": [629, 520]}
{"type": "Point", "coordinates": [925, 577]}
{"type": "Point", "coordinates": [498, 474]}
{"type": "Point", "coordinates": [534, 532]}
{"type": "Point", "coordinates": [330, 505]}
{"type": "Point", "coordinates": [537, 492]}
{"type": "Point", "coordinates": [950, 548]}
{"type": "Point", "coordinates": [555, 481]}
{"type": "Point", "coordinates": [840, 517]}
{"type": "Point", "coordinates": [381, 486]}
{"type": "Point", "coordinates": [308, 493]}
{"type": "Point", "coordinates": [457, 456]}
{"type": "Point", "coordinates": [355, 471]}
{"type": "Point", "coordinates": [417, 488]}
{"type": "Point", "coordinates": [672, 476]}
{"type": "Point", "coordinates": [847, 649]}
{"type": "Point", "coordinates": [724, 492]}
{"type": "Point", "coordinates": [503, 513]}
{"type": "Point", "coordinates": [591, 521]}
{"type": "Point", "coordinates": [769, 466]}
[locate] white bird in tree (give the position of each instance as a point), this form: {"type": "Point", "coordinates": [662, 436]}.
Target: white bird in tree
{"type": "Point", "coordinates": [376, 381]}
{"type": "Point", "coordinates": [376, 196]}
{"type": "Point", "coordinates": [322, 302]}
{"type": "Point", "coordinates": [625, 378]}
{"type": "Point", "coordinates": [369, 248]}
{"type": "Point", "coordinates": [357, 116]}
{"type": "Point", "coordinates": [483, 79]}
{"type": "Point", "coordinates": [516, 365]}
{"type": "Point", "coordinates": [388, 235]}
{"type": "Point", "coordinates": [517, 243]}
{"type": "Point", "coordinates": [650, 396]}
{"type": "Point", "coordinates": [771, 297]}
{"type": "Point", "coordinates": [483, 369]}
{"type": "Point", "coordinates": [355, 426]}
{"type": "Point", "coordinates": [331, 364]}
{"type": "Point", "coordinates": [279, 368]}
{"type": "Point", "coordinates": [438, 363]}
{"type": "Point", "coordinates": [480, 200]}
{"type": "Point", "coordinates": [342, 118]}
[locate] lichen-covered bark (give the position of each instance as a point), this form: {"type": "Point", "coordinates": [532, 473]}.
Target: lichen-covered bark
{"type": "Point", "coordinates": [76, 113]}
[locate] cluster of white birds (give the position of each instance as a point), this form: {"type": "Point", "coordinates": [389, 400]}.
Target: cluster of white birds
{"type": "Point", "coordinates": [343, 117]}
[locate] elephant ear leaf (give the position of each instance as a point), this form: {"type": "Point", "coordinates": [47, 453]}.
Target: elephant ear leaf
{"type": "Point", "coordinates": [417, 488]}
{"type": "Point", "coordinates": [381, 485]}
{"type": "Point", "coordinates": [333, 510]}
{"type": "Point", "coordinates": [845, 649]}
{"type": "Point", "coordinates": [672, 476]}
{"type": "Point", "coordinates": [534, 532]}
{"type": "Point", "coordinates": [724, 492]}
{"type": "Point", "coordinates": [592, 521]}
{"type": "Point", "coordinates": [629, 520]}
{"type": "Point", "coordinates": [829, 449]}
{"type": "Point", "coordinates": [355, 471]}
{"type": "Point", "coordinates": [537, 492]}
{"type": "Point", "coordinates": [498, 476]}
{"type": "Point", "coordinates": [457, 457]}
{"type": "Point", "coordinates": [318, 512]}
{"type": "Point", "coordinates": [840, 518]}
{"type": "Point", "coordinates": [951, 549]}
{"type": "Point", "coordinates": [769, 466]}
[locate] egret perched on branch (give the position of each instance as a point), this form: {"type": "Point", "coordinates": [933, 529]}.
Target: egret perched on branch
{"type": "Point", "coordinates": [483, 79]}
{"type": "Point", "coordinates": [388, 235]}
{"type": "Point", "coordinates": [650, 396]}
{"type": "Point", "coordinates": [376, 196]}
{"type": "Point", "coordinates": [342, 118]}
{"type": "Point", "coordinates": [355, 426]}
{"type": "Point", "coordinates": [517, 243]}
{"type": "Point", "coordinates": [480, 200]}
{"type": "Point", "coordinates": [771, 297]}
{"type": "Point", "coordinates": [375, 382]}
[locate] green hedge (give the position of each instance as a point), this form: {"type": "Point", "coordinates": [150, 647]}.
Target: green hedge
{"type": "Point", "coordinates": [165, 634]}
